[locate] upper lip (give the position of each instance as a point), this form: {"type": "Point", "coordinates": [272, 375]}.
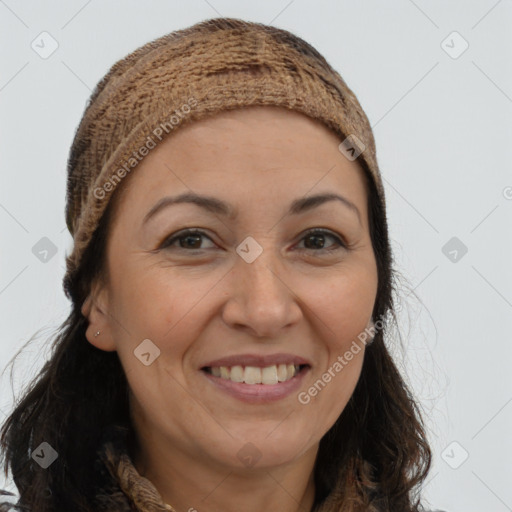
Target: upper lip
{"type": "Point", "coordinates": [257, 360]}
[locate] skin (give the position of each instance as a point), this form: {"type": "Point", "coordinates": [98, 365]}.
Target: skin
{"type": "Point", "coordinates": [295, 298]}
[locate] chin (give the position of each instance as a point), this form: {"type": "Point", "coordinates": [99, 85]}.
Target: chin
{"type": "Point", "coordinates": [257, 451]}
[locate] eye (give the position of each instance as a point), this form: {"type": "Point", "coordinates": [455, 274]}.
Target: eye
{"type": "Point", "coordinates": [316, 236]}
{"type": "Point", "coordinates": [191, 239]}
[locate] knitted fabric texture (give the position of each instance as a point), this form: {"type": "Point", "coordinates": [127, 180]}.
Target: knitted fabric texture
{"type": "Point", "coordinates": [215, 65]}
{"type": "Point", "coordinates": [122, 488]}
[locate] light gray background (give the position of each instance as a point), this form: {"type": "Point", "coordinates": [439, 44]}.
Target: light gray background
{"type": "Point", "coordinates": [443, 132]}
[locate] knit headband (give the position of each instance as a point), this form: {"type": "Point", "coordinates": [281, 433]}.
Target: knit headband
{"type": "Point", "coordinates": [215, 65]}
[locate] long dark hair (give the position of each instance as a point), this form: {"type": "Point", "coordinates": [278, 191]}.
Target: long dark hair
{"type": "Point", "coordinates": [374, 458]}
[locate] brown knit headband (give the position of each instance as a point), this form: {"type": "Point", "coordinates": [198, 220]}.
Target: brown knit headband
{"type": "Point", "coordinates": [215, 65]}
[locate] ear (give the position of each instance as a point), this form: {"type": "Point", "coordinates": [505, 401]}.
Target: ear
{"type": "Point", "coordinates": [95, 309]}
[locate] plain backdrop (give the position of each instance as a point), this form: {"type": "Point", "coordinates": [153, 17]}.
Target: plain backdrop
{"type": "Point", "coordinates": [435, 80]}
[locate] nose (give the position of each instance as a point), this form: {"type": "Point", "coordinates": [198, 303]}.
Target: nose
{"type": "Point", "coordinates": [260, 300]}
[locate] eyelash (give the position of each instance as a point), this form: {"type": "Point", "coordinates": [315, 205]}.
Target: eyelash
{"type": "Point", "coordinates": [316, 231]}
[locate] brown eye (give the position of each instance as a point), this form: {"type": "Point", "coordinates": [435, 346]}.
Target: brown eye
{"type": "Point", "coordinates": [315, 240]}
{"type": "Point", "coordinates": [190, 239]}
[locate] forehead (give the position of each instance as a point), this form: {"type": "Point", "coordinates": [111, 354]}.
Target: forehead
{"type": "Point", "coordinates": [255, 138]}
{"type": "Point", "coordinates": [265, 152]}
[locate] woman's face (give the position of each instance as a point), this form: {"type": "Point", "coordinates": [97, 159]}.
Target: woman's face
{"type": "Point", "coordinates": [254, 287]}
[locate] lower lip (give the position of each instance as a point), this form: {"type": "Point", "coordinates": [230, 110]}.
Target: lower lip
{"type": "Point", "coordinates": [258, 393]}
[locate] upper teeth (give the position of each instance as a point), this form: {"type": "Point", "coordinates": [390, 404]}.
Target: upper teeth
{"type": "Point", "coordinates": [256, 375]}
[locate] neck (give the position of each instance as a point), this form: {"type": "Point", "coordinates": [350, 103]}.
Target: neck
{"type": "Point", "coordinates": [193, 485]}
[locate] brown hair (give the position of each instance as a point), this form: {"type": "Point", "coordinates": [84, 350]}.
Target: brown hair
{"type": "Point", "coordinates": [374, 458]}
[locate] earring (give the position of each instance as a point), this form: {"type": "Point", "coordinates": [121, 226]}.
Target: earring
{"type": "Point", "coordinates": [97, 334]}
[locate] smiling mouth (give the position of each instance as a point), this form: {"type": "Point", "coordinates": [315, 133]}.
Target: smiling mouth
{"type": "Point", "coordinates": [268, 375]}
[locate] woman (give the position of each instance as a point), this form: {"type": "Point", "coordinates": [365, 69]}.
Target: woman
{"type": "Point", "coordinates": [249, 373]}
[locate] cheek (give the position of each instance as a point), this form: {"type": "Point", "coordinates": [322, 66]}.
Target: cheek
{"type": "Point", "coordinates": [161, 305]}
{"type": "Point", "coordinates": [327, 396]}
{"type": "Point", "coordinates": [343, 309]}
{"type": "Point", "coordinates": [146, 297]}
{"type": "Point", "coordinates": [343, 313]}
{"type": "Point", "coordinates": [345, 303]}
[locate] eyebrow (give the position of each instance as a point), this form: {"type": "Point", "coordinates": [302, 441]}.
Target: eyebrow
{"type": "Point", "coordinates": [218, 207]}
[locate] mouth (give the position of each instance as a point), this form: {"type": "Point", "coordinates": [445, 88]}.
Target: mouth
{"type": "Point", "coordinates": [254, 375]}
{"type": "Point", "coordinates": [254, 384]}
